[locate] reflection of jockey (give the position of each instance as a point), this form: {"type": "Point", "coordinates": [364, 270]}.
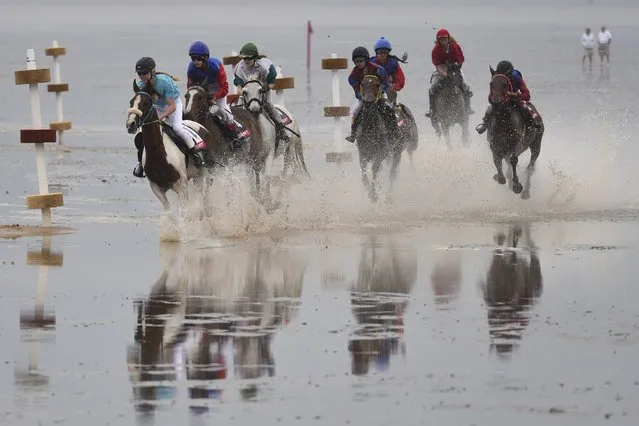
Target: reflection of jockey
{"type": "Point", "coordinates": [206, 71]}
{"type": "Point", "coordinates": [255, 64]}
{"type": "Point", "coordinates": [168, 107]}
{"type": "Point", "coordinates": [445, 52]}
{"type": "Point", "coordinates": [520, 94]}
{"type": "Point", "coordinates": [390, 63]}
{"type": "Point", "coordinates": [363, 67]}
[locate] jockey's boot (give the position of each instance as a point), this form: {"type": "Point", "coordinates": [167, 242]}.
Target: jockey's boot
{"type": "Point", "coordinates": [431, 106]}
{"type": "Point", "coordinates": [354, 125]}
{"type": "Point", "coordinates": [197, 157]}
{"type": "Point", "coordinates": [138, 171]}
{"type": "Point", "coordinates": [467, 96]}
{"type": "Point", "coordinates": [236, 139]}
{"type": "Point", "coordinates": [481, 128]}
{"type": "Point", "coordinates": [280, 133]}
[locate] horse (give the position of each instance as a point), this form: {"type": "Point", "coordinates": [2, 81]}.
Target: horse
{"type": "Point", "coordinates": [450, 108]}
{"type": "Point", "coordinates": [197, 109]}
{"type": "Point", "coordinates": [376, 142]}
{"type": "Point", "coordinates": [164, 161]}
{"type": "Point", "coordinates": [379, 297]}
{"type": "Point", "coordinates": [264, 147]}
{"type": "Point", "coordinates": [513, 284]}
{"type": "Point", "coordinates": [408, 132]}
{"type": "Point", "coordinates": [509, 136]}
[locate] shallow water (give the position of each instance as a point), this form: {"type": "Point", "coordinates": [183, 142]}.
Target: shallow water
{"type": "Point", "coordinates": [454, 301]}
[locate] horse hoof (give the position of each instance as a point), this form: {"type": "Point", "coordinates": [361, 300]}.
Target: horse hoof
{"type": "Point", "coordinates": [525, 195]}
{"type": "Point", "coordinates": [500, 179]}
{"type": "Point", "coordinates": [517, 188]}
{"type": "Point", "coordinates": [373, 197]}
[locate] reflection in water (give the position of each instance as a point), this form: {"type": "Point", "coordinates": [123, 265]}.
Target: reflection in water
{"type": "Point", "coordinates": [379, 298]}
{"type": "Point", "coordinates": [513, 284]}
{"type": "Point", "coordinates": [211, 316]}
{"type": "Point", "coordinates": [37, 324]}
{"type": "Point", "coordinates": [446, 278]}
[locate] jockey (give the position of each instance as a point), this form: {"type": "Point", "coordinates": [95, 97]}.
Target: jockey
{"type": "Point", "coordinates": [209, 73]}
{"type": "Point", "coordinates": [520, 94]}
{"type": "Point", "coordinates": [168, 106]}
{"type": "Point", "coordinates": [390, 63]}
{"type": "Point", "coordinates": [446, 52]}
{"type": "Point", "coordinates": [363, 67]}
{"type": "Point", "coordinates": [253, 63]}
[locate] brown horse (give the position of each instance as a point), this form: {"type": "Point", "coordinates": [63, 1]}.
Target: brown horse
{"type": "Point", "coordinates": [375, 137]}
{"type": "Point", "coordinates": [513, 284]}
{"type": "Point", "coordinates": [164, 160]}
{"type": "Point", "coordinates": [450, 106]}
{"type": "Point", "coordinates": [509, 136]}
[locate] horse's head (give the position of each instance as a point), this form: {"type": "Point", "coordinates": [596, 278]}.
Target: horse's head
{"type": "Point", "coordinates": [453, 72]}
{"type": "Point", "coordinates": [196, 101]}
{"type": "Point", "coordinates": [499, 87]}
{"type": "Point", "coordinates": [371, 88]}
{"type": "Point", "coordinates": [254, 95]}
{"type": "Point", "coordinates": [140, 107]}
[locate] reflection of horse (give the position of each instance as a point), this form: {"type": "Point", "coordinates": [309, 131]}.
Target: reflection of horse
{"type": "Point", "coordinates": [509, 136]}
{"type": "Point", "coordinates": [446, 277]}
{"type": "Point", "coordinates": [513, 284]}
{"type": "Point", "coordinates": [209, 307]}
{"type": "Point", "coordinates": [378, 137]}
{"type": "Point", "coordinates": [379, 297]}
{"type": "Point", "coordinates": [264, 146]}
{"type": "Point", "coordinates": [164, 161]}
{"type": "Point", "coordinates": [450, 106]}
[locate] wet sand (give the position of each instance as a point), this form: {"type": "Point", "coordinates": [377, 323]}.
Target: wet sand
{"type": "Point", "coordinates": [461, 324]}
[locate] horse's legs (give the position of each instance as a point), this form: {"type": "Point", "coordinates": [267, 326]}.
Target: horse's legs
{"type": "Point", "coordinates": [363, 165]}
{"type": "Point", "coordinates": [465, 133]}
{"type": "Point", "coordinates": [161, 195]}
{"type": "Point", "coordinates": [397, 157]}
{"type": "Point", "coordinates": [446, 131]}
{"type": "Point", "coordinates": [499, 177]}
{"type": "Point", "coordinates": [517, 188]}
{"type": "Point", "coordinates": [535, 149]}
{"type": "Point", "coordinates": [377, 164]}
{"type": "Point", "coordinates": [436, 126]}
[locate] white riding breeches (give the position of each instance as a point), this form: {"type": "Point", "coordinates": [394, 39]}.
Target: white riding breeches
{"type": "Point", "coordinates": [175, 121]}
{"type": "Point", "coordinates": [220, 108]}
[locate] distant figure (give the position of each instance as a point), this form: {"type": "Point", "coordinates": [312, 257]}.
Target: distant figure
{"type": "Point", "coordinates": [604, 39]}
{"type": "Point", "coordinates": [588, 41]}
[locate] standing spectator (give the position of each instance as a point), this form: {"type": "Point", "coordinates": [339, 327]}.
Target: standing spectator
{"type": "Point", "coordinates": [604, 39]}
{"type": "Point", "coordinates": [588, 42]}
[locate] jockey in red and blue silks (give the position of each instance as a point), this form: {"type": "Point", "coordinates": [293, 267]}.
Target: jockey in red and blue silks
{"type": "Point", "coordinates": [363, 67]}
{"type": "Point", "coordinates": [209, 73]}
{"type": "Point", "coordinates": [520, 94]}
{"type": "Point", "coordinates": [391, 65]}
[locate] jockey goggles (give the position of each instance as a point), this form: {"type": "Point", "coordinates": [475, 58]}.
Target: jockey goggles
{"type": "Point", "coordinates": [197, 58]}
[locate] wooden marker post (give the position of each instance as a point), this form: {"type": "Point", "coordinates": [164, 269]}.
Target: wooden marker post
{"type": "Point", "coordinates": [336, 111]}
{"type": "Point", "coordinates": [58, 87]}
{"type": "Point", "coordinates": [38, 136]}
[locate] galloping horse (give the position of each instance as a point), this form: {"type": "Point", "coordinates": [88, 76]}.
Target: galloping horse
{"type": "Point", "coordinates": [165, 163]}
{"type": "Point", "coordinates": [509, 136]}
{"type": "Point", "coordinates": [376, 141]}
{"type": "Point", "coordinates": [197, 109]}
{"type": "Point", "coordinates": [450, 107]}
{"type": "Point", "coordinates": [264, 148]}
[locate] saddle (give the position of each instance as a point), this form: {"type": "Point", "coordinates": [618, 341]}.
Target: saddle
{"type": "Point", "coordinates": [286, 119]}
{"type": "Point", "coordinates": [178, 140]}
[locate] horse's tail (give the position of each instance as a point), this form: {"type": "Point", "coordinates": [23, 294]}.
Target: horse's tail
{"type": "Point", "coordinates": [298, 160]}
{"type": "Point", "coordinates": [411, 145]}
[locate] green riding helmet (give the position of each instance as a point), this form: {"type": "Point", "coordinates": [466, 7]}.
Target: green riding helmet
{"type": "Point", "coordinates": [249, 51]}
{"type": "Point", "coordinates": [505, 67]}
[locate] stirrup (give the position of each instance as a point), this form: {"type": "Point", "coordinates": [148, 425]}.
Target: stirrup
{"type": "Point", "coordinates": [350, 138]}
{"type": "Point", "coordinates": [430, 114]}
{"type": "Point", "coordinates": [481, 128]}
{"type": "Point", "coordinates": [138, 171]}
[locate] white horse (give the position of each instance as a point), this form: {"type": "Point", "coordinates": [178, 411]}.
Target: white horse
{"type": "Point", "coordinates": [264, 148]}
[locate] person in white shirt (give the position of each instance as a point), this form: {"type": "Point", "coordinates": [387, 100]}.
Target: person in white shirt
{"type": "Point", "coordinates": [604, 39]}
{"type": "Point", "coordinates": [588, 42]}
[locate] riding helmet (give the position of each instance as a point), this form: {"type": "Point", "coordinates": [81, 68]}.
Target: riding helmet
{"type": "Point", "coordinates": [504, 67]}
{"type": "Point", "coordinates": [145, 64]}
{"type": "Point", "coordinates": [199, 48]}
{"type": "Point", "coordinates": [249, 51]}
{"type": "Point", "coordinates": [361, 52]}
{"type": "Point", "coordinates": [383, 43]}
{"type": "Point", "coordinates": [443, 33]}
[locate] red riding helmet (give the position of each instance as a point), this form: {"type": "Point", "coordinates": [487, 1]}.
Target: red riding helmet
{"type": "Point", "coordinates": [443, 33]}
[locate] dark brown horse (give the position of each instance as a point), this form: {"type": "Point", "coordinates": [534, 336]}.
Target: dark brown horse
{"type": "Point", "coordinates": [450, 106]}
{"type": "Point", "coordinates": [513, 284]}
{"type": "Point", "coordinates": [509, 136]}
{"type": "Point", "coordinates": [165, 161]}
{"type": "Point", "coordinates": [376, 141]}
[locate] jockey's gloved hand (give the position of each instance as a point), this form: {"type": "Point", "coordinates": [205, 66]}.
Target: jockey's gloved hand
{"type": "Point", "coordinates": [214, 109]}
